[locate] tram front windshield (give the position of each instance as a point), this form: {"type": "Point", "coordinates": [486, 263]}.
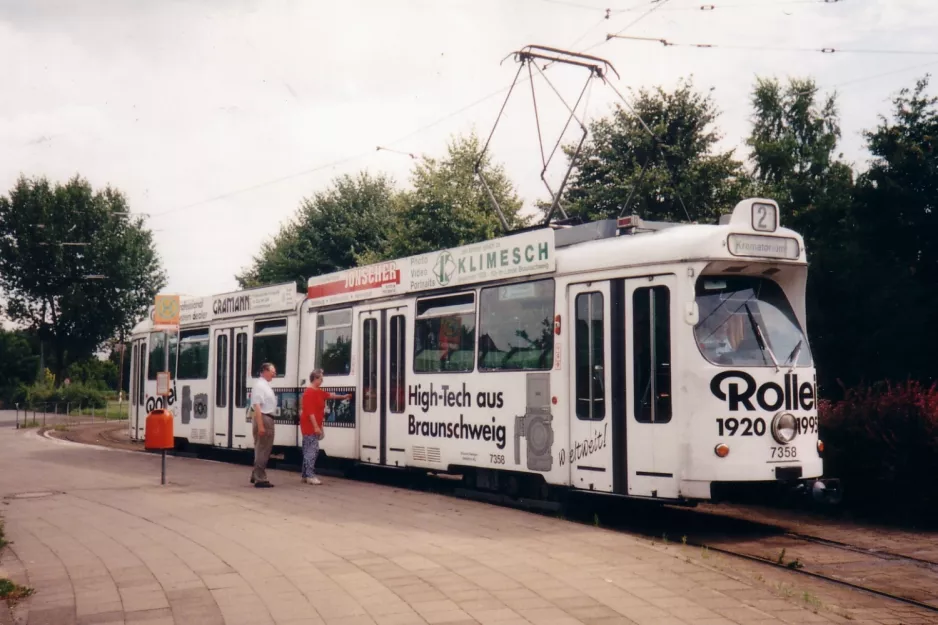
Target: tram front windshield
{"type": "Point", "coordinates": [746, 321]}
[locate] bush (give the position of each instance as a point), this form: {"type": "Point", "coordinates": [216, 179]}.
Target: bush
{"type": "Point", "coordinates": [882, 442]}
{"type": "Point", "coordinates": [100, 374]}
{"type": "Point", "coordinates": [76, 394]}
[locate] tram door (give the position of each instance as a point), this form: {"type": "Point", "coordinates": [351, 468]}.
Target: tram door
{"type": "Point", "coordinates": [138, 395]}
{"type": "Point", "coordinates": [653, 448]}
{"type": "Point", "coordinates": [230, 384]}
{"type": "Point", "coordinates": [381, 388]}
{"type": "Point", "coordinates": [591, 450]}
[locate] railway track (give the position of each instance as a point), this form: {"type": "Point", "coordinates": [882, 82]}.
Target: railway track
{"type": "Point", "coordinates": [896, 576]}
{"type": "Point", "coordinates": [880, 585]}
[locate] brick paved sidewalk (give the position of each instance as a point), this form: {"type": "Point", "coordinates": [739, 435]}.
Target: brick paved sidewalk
{"type": "Point", "coordinates": [105, 544]}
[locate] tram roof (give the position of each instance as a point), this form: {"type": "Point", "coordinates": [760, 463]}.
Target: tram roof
{"type": "Point", "coordinates": [750, 234]}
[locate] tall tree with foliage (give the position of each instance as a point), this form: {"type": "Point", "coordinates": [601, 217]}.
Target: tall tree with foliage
{"type": "Point", "coordinates": [19, 363]}
{"type": "Point", "coordinates": [793, 148]}
{"type": "Point", "coordinates": [897, 220]}
{"type": "Point", "coordinates": [74, 267]}
{"type": "Point", "coordinates": [794, 152]}
{"type": "Point", "coordinates": [329, 232]}
{"type": "Point", "coordinates": [659, 174]}
{"type": "Point", "coordinates": [448, 206]}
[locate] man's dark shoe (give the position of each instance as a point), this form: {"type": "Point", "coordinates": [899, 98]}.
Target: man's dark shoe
{"type": "Point", "coordinates": [253, 480]}
{"type": "Point", "coordinates": [263, 485]}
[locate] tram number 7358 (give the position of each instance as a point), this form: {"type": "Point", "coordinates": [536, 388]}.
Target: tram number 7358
{"type": "Point", "coordinates": [757, 426]}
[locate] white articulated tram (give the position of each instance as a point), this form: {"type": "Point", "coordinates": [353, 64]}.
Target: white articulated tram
{"type": "Point", "coordinates": [641, 359]}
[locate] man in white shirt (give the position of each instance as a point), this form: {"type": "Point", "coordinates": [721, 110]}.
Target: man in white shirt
{"type": "Point", "coordinates": [264, 403]}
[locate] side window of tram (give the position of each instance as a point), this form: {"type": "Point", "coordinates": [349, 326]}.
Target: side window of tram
{"type": "Point", "coordinates": [133, 379]}
{"type": "Point", "coordinates": [370, 365]}
{"type": "Point", "coordinates": [516, 327]}
{"type": "Point", "coordinates": [270, 345]}
{"type": "Point", "coordinates": [651, 319]}
{"type": "Point", "coordinates": [334, 342]}
{"type": "Point", "coordinates": [396, 373]}
{"type": "Point", "coordinates": [221, 370]}
{"type": "Point", "coordinates": [141, 373]}
{"type": "Point", "coordinates": [590, 357]}
{"type": "Point", "coordinates": [241, 369]}
{"type": "Point", "coordinates": [445, 334]}
{"type": "Point", "coordinates": [193, 355]}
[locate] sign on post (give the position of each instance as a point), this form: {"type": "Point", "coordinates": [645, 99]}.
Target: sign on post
{"type": "Point", "coordinates": [163, 383]}
{"type": "Point", "coordinates": [166, 313]}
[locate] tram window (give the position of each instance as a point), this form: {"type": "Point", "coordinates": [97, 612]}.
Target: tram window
{"type": "Point", "coordinates": [370, 365]}
{"type": "Point", "coordinates": [334, 342]}
{"type": "Point", "coordinates": [590, 357]}
{"type": "Point", "coordinates": [444, 334]}
{"type": "Point", "coordinates": [158, 354]}
{"type": "Point", "coordinates": [221, 371]}
{"type": "Point", "coordinates": [241, 369]}
{"type": "Point", "coordinates": [133, 375]}
{"type": "Point", "coordinates": [516, 327]}
{"type": "Point", "coordinates": [396, 372]}
{"type": "Point", "coordinates": [141, 373]}
{"type": "Point", "coordinates": [193, 355]}
{"type": "Point", "coordinates": [651, 317]}
{"type": "Point", "coordinates": [270, 345]}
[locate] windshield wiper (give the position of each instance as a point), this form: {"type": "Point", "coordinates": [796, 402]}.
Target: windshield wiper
{"type": "Point", "coordinates": [760, 339]}
{"type": "Point", "coordinates": [793, 356]}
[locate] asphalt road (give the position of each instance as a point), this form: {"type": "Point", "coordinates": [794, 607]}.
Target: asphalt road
{"type": "Point", "coordinates": [8, 418]}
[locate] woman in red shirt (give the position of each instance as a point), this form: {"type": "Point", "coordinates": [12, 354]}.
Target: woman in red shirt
{"type": "Point", "coordinates": [312, 414]}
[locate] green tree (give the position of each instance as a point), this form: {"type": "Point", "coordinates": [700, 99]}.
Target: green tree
{"type": "Point", "coordinates": [114, 355]}
{"type": "Point", "coordinates": [19, 363]}
{"type": "Point", "coordinates": [329, 232]}
{"type": "Point", "coordinates": [794, 153]}
{"type": "Point", "coordinates": [94, 373]}
{"type": "Point", "coordinates": [447, 206]}
{"type": "Point", "coordinates": [897, 220]}
{"type": "Point", "coordinates": [622, 163]}
{"type": "Point", "coordinates": [793, 149]}
{"type": "Point", "coordinates": [75, 297]}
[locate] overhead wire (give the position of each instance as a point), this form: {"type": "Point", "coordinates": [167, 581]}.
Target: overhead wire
{"type": "Point", "coordinates": [884, 74]}
{"type": "Point", "coordinates": [659, 5]}
{"type": "Point", "coordinates": [704, 7]}
{"type": "Point", "coordinates": [344, 160]}
{"type": "Point", "coordinates": [825, 50]}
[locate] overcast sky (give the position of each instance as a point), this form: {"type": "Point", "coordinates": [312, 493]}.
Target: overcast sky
{"type": "Point", "coordinates": [176, 103]}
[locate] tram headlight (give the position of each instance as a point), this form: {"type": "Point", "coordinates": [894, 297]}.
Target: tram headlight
{"type": "Point", "coordinates": [784, 427]}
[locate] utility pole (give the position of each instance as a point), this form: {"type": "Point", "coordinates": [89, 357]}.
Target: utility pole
{"type": "Point", "coordinates": [120, 379]}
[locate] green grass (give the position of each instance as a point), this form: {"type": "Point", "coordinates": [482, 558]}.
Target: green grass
{"type": "Point", "coordinates": [11, 592]}
{"type": "Point", "coordinates": [29, 424]}
{"type": "Point", "coordinates": [114, 411]}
